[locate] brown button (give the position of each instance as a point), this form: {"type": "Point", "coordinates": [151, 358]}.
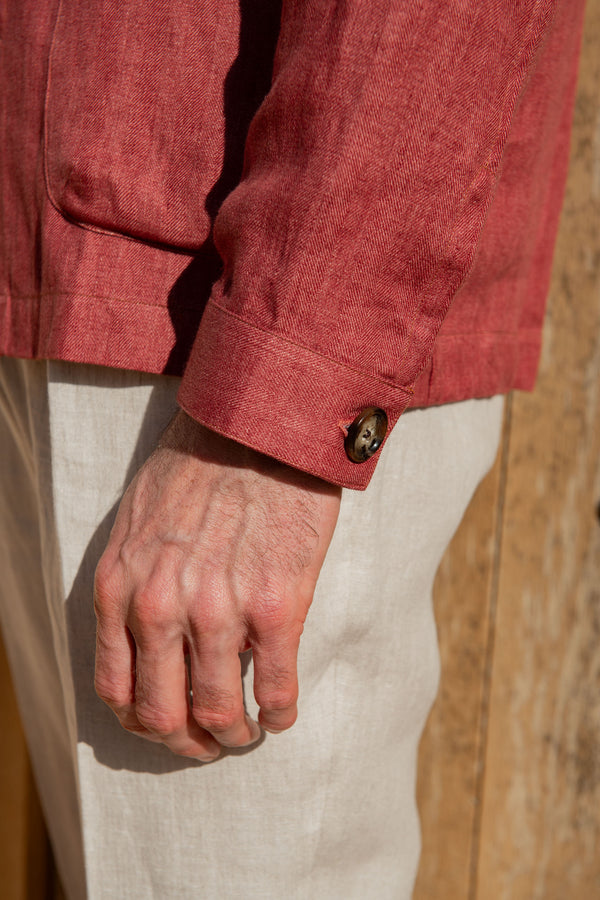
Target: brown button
{"type": "Point", "coordinates": [366, 434]}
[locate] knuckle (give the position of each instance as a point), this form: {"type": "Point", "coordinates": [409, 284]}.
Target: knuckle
{"type": "Point", "coordinates": [214, 720]}
{"type": "Point", "coordinates": [277, 700]}
{"type": "Point", "coordinates": [277, 620]}
{"type": "Point", "coordinates": [108, 588]}
{"type": "Point", "coordinates": [159, 722]}
{"type": "Point", "coordinates": [132, 726]}
{"type": "Point", "coordinates": [151, 612]}
{"type": "Point", "coordinates": [208, 622]}
{"type": "Point", "coordinates": [113, 694]}
{"type": "Point", "coordinates": [271, 618]}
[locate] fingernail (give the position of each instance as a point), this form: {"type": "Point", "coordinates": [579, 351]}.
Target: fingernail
{"type": "Point", "coordinates": [254, 729]}
{"type": "Point", "coordinates": [207, 759]}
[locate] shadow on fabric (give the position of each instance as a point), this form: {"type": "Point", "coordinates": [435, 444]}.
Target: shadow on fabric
{"type": "Point", "coordinates": [246, 85]}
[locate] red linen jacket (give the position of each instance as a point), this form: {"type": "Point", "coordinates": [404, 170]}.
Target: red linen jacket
{"type": "Point", "coordinates": [381, 180]}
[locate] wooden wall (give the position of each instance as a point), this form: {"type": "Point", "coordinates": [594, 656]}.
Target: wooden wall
{"type": "Point", "coordinates": [509, 786]}
{"type": "Point", "coordinates": [25, 858]}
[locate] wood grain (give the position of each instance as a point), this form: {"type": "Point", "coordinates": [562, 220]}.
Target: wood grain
{"type": "Point", "coordinates": [449, 770]}
{"type": "Point", "coordinates": [509, 786]}
{"type": "Point", "coordinates": [540, 827]}
{"type": "Point", "coordinates": [24, 850]}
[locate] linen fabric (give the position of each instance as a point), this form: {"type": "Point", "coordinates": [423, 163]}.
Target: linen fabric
{"type": "Point", "coordinates": [324, 811]}
{"type": "Point", "coordinates": [389, 176]}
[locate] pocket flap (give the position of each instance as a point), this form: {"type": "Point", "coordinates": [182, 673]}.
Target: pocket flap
{"type": "Point", "coordinates": [135, 114]}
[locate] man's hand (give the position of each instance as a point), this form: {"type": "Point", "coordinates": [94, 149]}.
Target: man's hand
{"type": "Point", "coordinates": [215, 549]}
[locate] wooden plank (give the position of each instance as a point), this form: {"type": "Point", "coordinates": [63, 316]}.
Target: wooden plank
{"type": "Point", "coordinates": [449, 754]}
{"type": "Point", "coordinates": [24, 852]}
{"type": "Point", "coordinates": [540, 825]}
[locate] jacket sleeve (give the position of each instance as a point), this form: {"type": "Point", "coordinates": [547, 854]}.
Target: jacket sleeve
{"type": "Point", "coordinates": [368, 172]}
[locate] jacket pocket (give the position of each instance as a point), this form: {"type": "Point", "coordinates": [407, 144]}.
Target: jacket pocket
{"type": "Point", "coordinates": [134, 127]}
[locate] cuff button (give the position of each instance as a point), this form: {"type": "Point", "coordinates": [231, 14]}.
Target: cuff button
{"type": "Point", "coordinates": [366, 434]}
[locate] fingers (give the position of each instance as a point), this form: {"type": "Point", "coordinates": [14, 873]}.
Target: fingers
{"type": "Point", "coordinates": [115, 672]}
{"type": "Point", "coordinates": [147, 690]}
{"type": "Point", "coordinates": [276, 682]}
{"type": "Point", "coordinates": [141, 671]}
{"type": "Point", "coordinates": [217, 697]}
{"type": "Point", "coordinates": [161, 699]}
{"type": "Point", "coordinates": [115, 655]}
{"type": "Point", "coordinates": [142, 675]}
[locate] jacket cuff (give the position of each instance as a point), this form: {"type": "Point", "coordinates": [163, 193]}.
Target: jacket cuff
{"type": "Point", "coordinates": [281, 398]}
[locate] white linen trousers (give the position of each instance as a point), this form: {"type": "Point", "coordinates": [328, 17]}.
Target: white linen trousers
{"type": "Point", "coordinates": [324, 811]}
